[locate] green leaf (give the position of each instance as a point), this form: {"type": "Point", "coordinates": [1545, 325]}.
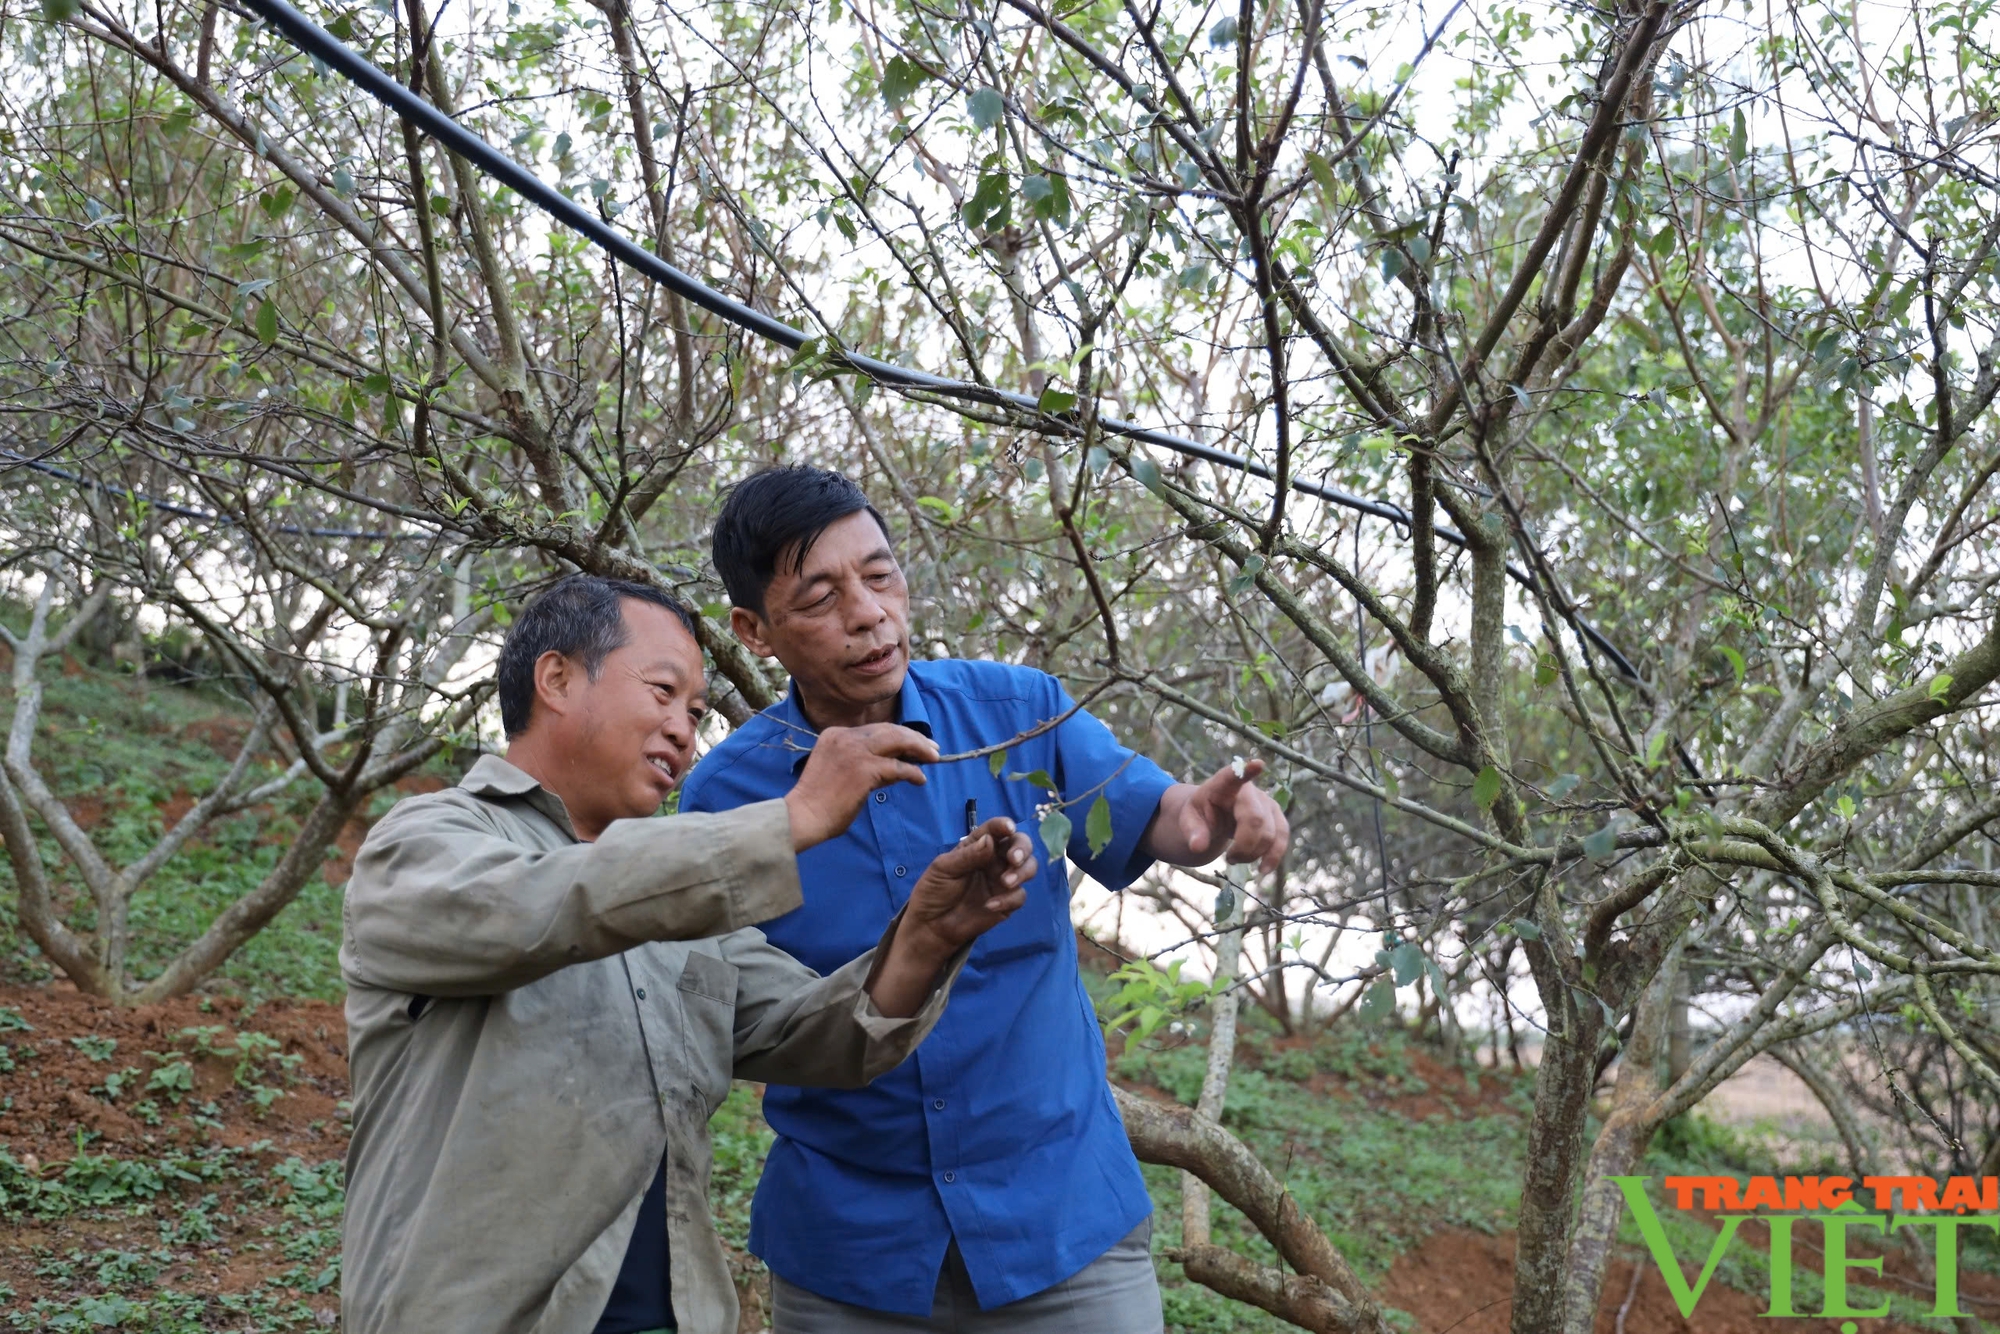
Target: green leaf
{"type": "Point", "coordinates": [55, 11]}
{"type": "Point", "coordinates": [1735, 660]}
{"type": "Point", "coordinates": [1408, 962]}
{"type": "Point", "coordinates": [1846, 807]}
{"type": "Point", "coordinates": [991, 205]}
{"type": "Point", "coordinates": [901, 77]}
{"type": "Point", "coordinates": [1097, 825]}
{"type": "Point", "coordinates": [1526, 929]}
{"type": "Point", "coordinates": [985, 106]}
{"type": "Point", "coordinates": [1393, 263]}
{"type": "Point", "coordinates": [1601, 844]}
{"type": "Point", "coordinates": [1739, 137]}
{"type": "Point", "coordinates": [1322, 172]}
{"type": "Point", "coordinates": [1564, 785]}
{"type": "Point", "coordinates": [1039, 778]}
{"type": "Point", "coordinates": [1381, 1002]}
{"type": "Point", "coordinates": [1486, 787]}
{"type": "Point", "coordinates": [1048, 197]}
{"type": "Point", "coordinates": [267, 322]}
{"type": "Point", "coordinates": [996, 762]}
{"type": "Point", "coordinates": [1245, 577]}
{"type": "Point", "coordinates": [1940, 685]}
{"type": "Point", "coordinates": [1055, 833]}
{"type": "Point", "coordinates": [1546, 669]}
{"type": "Point", "coordinates": [342, 27]}
{"type": "Point", "coordinates": [1054, 400]}
{"type": "Point", "coordinates": [1146, 473]}
{"type": "Point", "coordinates": [377, 385]}
{"type": "Point", "coordinates": [1656, 748]}
{"type": "Point", "coordinates": [1224, 33]}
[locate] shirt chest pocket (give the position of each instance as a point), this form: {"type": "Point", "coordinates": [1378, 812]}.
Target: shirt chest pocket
{"type": "Point", "coordinates": [707, 993]}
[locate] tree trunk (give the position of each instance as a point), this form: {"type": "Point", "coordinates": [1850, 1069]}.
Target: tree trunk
{"type": "Point", "coordinates": [1619, 1146]}
{"type": "Point", "coordinates": [1637, 1107]}
{"type": "Point", "coordinates": [1555, 1149]}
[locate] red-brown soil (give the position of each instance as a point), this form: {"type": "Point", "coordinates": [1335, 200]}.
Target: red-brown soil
{"type": "Point", "coordinates": [50, 1092]}
{"type": "Point", "coordinates": [57, 1091]}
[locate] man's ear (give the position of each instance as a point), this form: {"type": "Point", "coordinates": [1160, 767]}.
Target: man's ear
{"type": "Point", "coordinates": [749, 630]}
{"type": "Point", "coordinates": [555, 677]}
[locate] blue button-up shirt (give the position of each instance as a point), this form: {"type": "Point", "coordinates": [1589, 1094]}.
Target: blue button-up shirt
{"type": "Point", "coordinates": [1000, 1132]}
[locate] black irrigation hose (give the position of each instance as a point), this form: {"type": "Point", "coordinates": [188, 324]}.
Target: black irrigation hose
{"type": "Point", "coordinates": [315, 41]}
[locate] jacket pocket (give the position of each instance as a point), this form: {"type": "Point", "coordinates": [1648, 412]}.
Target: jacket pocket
{"type": "Point", "coordinates": [706, 975]}
{"type": "Point", "coordinates": [708, 1008]}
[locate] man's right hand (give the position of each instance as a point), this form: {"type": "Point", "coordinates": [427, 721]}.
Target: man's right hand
{"type": "Point", "coordinates": [846, 764]}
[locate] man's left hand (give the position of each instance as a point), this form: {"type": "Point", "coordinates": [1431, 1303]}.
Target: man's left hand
{"type": "Point", "coordinates": [1226, 813]}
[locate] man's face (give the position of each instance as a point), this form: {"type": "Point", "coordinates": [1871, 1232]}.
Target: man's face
{"type": "Point", "coordinates": [840, 623]}
{"type": "Point", "coordinates": [629, 734]}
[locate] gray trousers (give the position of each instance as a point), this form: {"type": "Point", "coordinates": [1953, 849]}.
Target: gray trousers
{"type": "Point", "coordinates": [1117, 1293]}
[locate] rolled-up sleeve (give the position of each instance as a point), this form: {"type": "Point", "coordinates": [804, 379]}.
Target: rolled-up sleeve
{"type": "Point", "coordinates": [795, 1027]}
{"type": "Point", "coordinates": [443, 903]}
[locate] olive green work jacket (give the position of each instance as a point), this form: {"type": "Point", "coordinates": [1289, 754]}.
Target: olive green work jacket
{"type": "Point", "coordinates": [533, 1021]}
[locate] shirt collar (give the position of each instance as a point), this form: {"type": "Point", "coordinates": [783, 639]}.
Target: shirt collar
{"type": "Point", "coordinates": [492, 776]}
{"type": "Point", "coordinates": [910, 712]}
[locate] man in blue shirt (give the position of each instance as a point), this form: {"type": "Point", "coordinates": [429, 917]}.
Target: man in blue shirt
{"type": "Point", "coordinates": [987, 1183]}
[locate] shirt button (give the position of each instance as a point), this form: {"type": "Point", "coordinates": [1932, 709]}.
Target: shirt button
{"type": "Point", "coordinates": [950, 1177]}
{"type": "Point", "coordinates": [641, 993]}
{"type": "Point", "coordinates": [900, 871]}
{"type": "Point", "coordinates": [937, 1104]}
{"type": "Point", "coordinates": [881, 797]}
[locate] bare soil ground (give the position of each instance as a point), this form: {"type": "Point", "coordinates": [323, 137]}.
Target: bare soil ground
{"type": "Point", "coordinates": [59, 1116]}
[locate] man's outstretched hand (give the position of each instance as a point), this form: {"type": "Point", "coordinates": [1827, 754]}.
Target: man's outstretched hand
{"type": "Point", "coordinates": [1228, 814]}
{"type": "Point", "coordinates": [965, 892]}
{"type": "Point", "coordinates": [846, 764]}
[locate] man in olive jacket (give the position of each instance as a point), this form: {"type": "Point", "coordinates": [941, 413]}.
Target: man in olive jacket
{"type": "Point", "coordinates": [548, 992]}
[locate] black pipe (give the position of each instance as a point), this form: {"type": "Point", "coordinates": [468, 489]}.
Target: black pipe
{"type": "Point", "coordinates": [317, 42]}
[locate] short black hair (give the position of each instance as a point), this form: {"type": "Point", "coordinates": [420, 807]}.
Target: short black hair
{"type": "Point", "coordinates": [779, 512]}
{"type": "Point", "coordinates": [579, 617]}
